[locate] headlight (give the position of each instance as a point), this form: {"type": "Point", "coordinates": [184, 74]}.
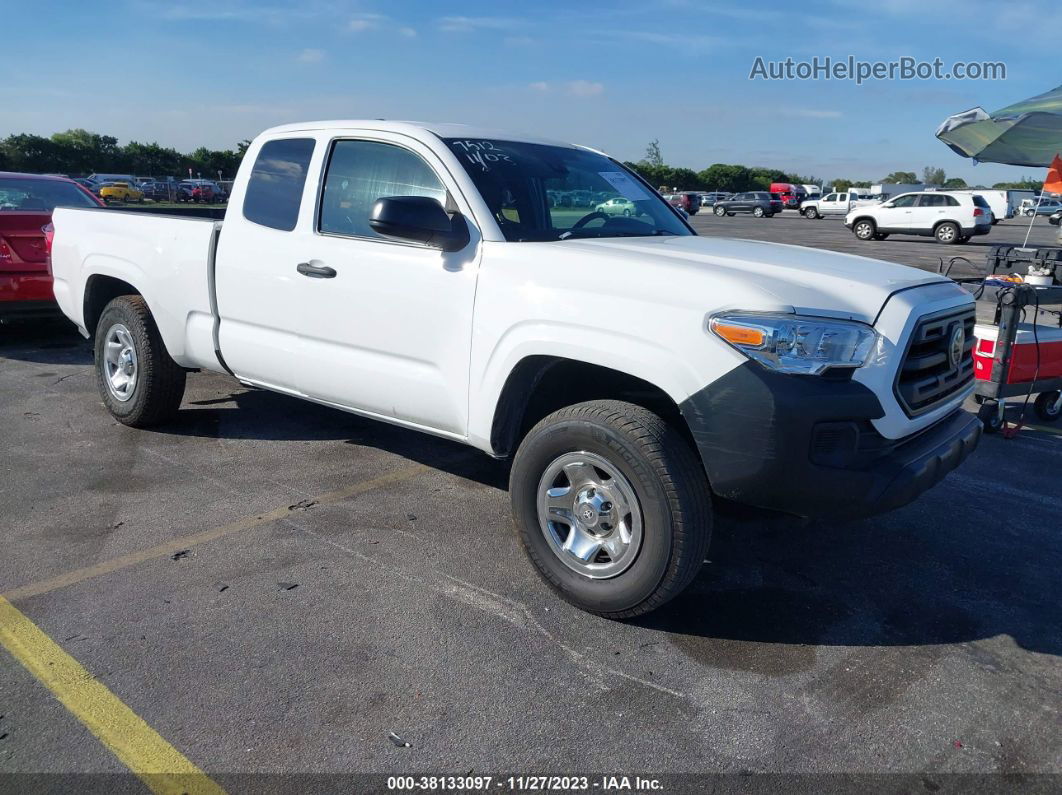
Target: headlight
{"type": "Point", "coordinates": [794, 344]}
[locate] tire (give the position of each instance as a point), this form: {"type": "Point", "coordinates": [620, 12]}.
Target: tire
{"type": "Point", "coordinates": [948, 233]}
{"type": "Point", "coordinates": [720, 211]}
{"type": "Point", "coordinates": [157, 385]}
{"type": "Point", "coordinates": [811, 213]}
{"type": "Point", "coordinates": [626, 213]}
{"type": "Point", "coordinates": [758, 212]}
{"type": "Point", "coordinates": [639, 454]}
{"type": "Point", "coordinates": [990, 416]}
{"type": "Point", "coordinates": [864, 229]}
{"type": "Point", "coordinates": [1045, 406]}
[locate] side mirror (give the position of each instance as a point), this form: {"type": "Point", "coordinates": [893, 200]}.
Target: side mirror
{"type": "Point", "coordinates": [420, 219]}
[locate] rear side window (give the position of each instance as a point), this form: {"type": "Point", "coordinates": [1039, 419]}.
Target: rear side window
{"type": "Point", "coordinates": [981, 202]}
{"type": "Point", "coordinates": [274, 191]}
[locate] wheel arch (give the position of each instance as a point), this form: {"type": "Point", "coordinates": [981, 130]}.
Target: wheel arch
{"type": "Point", "coordinates": [100, 290]}
{"type": "Point", "coordinates": [540, 384]}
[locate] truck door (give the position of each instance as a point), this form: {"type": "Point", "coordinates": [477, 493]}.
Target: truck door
{"type": "Point", "coordinates": [386, 325]}
{"type": "Point", "coordinates": [255, 278]}
{"type": "Point", "coordinates": [828, 206]}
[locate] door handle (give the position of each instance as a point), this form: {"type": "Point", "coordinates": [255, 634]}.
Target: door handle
{"type": "Point", "coordinates": [315, 271]}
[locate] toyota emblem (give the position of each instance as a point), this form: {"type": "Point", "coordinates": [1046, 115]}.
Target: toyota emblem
{"type": "Point", "coordinates": [955, 347]}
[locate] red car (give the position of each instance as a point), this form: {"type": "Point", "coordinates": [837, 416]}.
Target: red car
{"type": "Point", "coordinates": [26, 204]}
{"type": "Point", "coordinates": [202, 192]}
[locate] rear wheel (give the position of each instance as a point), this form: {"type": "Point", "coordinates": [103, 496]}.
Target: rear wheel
{"type": "Point", "coordinates": [948, 233]}
{"type": "Point", "coordinates": [612, 507]}
{"type": "Point", "coordinates": [864, 229]}
{"type": "Point", "coordinates": [139, 382]}
{"type": "Point", "coordinates": [758, 212]}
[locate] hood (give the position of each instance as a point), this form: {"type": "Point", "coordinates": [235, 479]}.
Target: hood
{"type": "Point", "coordinates": [782, 277]}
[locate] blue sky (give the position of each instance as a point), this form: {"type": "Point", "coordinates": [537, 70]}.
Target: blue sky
{"type": "Point", "coordinates": [612, 75]}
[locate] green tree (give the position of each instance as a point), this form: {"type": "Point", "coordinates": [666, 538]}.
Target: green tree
{"type": "Point", "coordinates": [955, 183]}
{"type": "Point", "coordinates": [933, 176]}
{"type": "Point", "coordinates": [652, 154]}
{"type": "Point", "coordinates": [725, 177]}
{"type": "Point", "coordinates": [901, 178]}
{"type": "Point", "coordinates": [1025, 183]}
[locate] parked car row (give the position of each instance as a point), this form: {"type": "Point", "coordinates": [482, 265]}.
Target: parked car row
{"type": "Point", "coordinates": [576, 198]}
{"type": "Point", "coordinates": [127, 188]}
{"type": "Point", "coordinates": [761, 204]}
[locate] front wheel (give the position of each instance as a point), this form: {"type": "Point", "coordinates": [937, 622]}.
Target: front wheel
{"type": "Point", "coordinates": [811, 213]}
{"type": "Point", "coordinates": [720, 211]}
{"type": "Point", "coordinates": [612, 507]}
{"type": "Point", "coordinates": [140, 384]}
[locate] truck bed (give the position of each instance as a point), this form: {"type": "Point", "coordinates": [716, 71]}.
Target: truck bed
{"type": "Point", "coordinates": [169, 258]}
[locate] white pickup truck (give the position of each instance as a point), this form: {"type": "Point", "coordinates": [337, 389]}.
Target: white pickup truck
{"type": "Point", "coordinates": [833, 204]}
{"type": "Point", "coordinates": [633, 371]}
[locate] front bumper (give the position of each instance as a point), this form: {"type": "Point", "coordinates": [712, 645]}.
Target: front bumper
{"type": "Point", "coordinates": [805, 445]}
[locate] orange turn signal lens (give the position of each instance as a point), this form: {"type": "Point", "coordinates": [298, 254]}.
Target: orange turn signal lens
{"type": "Point", "coordinates": [739, 335]}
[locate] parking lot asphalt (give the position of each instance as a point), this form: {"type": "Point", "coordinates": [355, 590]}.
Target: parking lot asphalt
{"type": "Point", "coordinates": [274, 587]}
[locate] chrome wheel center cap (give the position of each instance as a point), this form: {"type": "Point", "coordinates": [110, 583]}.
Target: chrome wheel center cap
{"type": "Point", "coordinates": [593, 510]}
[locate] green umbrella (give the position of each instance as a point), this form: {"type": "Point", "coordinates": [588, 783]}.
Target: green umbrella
{"type": "Point", "coordinates": [1028, 133]}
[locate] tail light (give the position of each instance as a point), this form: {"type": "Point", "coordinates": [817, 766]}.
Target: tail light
{"type": "Point", "coordinates": [49, 238]}
{"type": "Point", "coordinates": [5, 252]}
{"type": "Point", "coordinates": [978, 211]}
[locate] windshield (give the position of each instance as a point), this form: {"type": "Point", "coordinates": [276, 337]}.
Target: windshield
{"type": "Point", "coordinates": [538, 192]}
{"type": "Point", "coordinates": [41, 194]}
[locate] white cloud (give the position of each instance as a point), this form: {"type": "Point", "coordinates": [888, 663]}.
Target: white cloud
{"type": "Point", "coordinates": [409, 33]}
{"type": "Point", "coordinates": [310, 55]}
{"type": "Point", "coordinates": [363, 22]}
{"type": "Point", "coordinates": [584, 88]}
{"type": "Point", "coordinates": [518, 41]}
{"type": "Point", "coordinates": [470, 24]}
{"type": "Point", "coordinates": [541, 86]}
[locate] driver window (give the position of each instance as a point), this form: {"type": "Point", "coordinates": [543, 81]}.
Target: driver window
{"type": "Point", "coordinates": [907, 200]}
{"type": "Point", "coordinates": [360, 172]}
{"type": "Point", "coordinates": [831, 198]}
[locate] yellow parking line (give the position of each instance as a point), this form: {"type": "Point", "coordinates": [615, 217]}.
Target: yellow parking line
{"type": "Point", "coordinates": [186, 542]}
{"type": "Point", "coordinates": [163, 768]}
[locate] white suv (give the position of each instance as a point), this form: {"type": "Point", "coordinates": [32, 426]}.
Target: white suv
{"type": "Point", "coordinates": [950, 217]}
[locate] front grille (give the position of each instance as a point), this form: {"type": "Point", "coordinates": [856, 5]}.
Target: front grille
{"type": "Point", "coordinates": [928, 376]}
